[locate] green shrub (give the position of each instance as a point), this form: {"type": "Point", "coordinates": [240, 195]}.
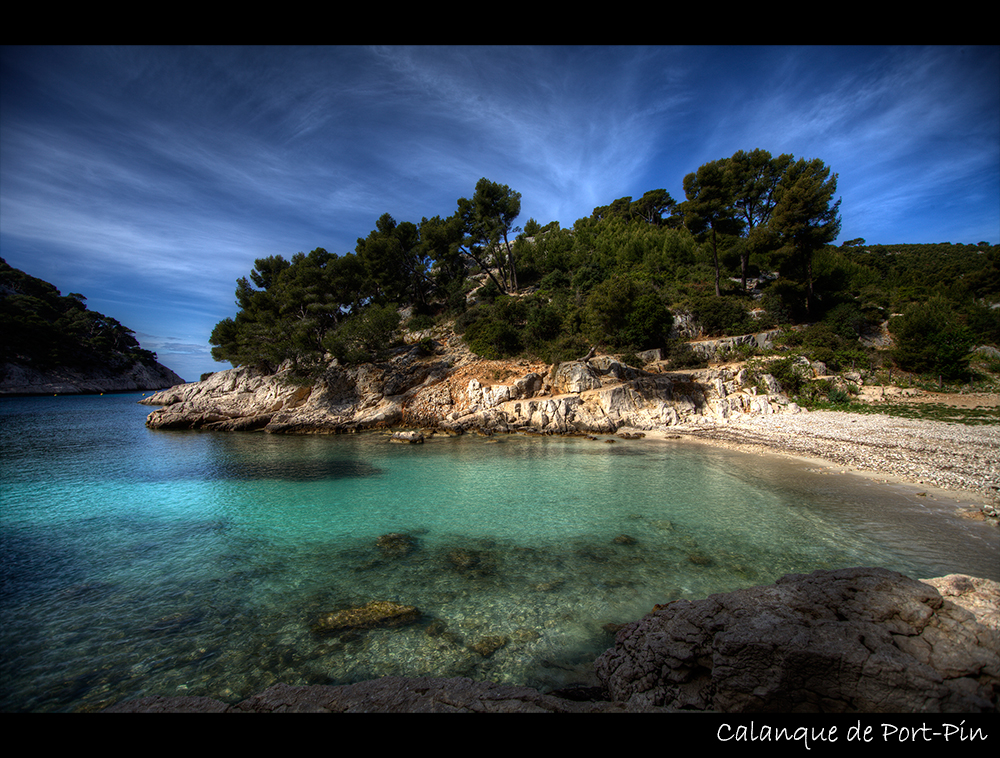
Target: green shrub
{"type": "Point", "coordinates": [359, 338]}
{"type": "Point", "coordinates": [419, 322]}
{"type": "Point", "coordinates": [681, 355]}
{"type": "Point", "coordinates": [492, 339]}
{"type": "Point", "coordinates": [788, 374]}
{"type": "Point", "coordinates": [838, 396]}
{"type": "Point", "coordinates": [567, 347]}
{"type": "Point", "coordinates": [719, 316]}
{"type": "Point", "coordinates": [930, 340]}
{"type": "Point", "coordinates": [785, 302]}
{"type": "Point", "coordinates": [469, 317]}
{"type": "Point", "coordinates": [626, 313]}
{"type": "Point", "coordinates": [544, 323]}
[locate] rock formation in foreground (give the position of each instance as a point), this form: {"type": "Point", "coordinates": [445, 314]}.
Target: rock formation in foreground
{"type": "Point", "coordinates": [453, 391]}
{"type": "Point", "coordinates": [854, 640]}
{"type": "Point", "coordinates": [861, 640]}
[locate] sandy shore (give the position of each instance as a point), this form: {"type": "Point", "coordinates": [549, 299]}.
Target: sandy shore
{"type": "Point", "coordinates": [960, 459]}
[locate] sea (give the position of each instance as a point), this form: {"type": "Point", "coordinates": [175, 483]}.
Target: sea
{"type": "Point", "coordinates": [138, 562]}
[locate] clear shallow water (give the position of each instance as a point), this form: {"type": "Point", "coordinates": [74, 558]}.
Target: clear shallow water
{"type": "Point", "coordinates": [138, 562]}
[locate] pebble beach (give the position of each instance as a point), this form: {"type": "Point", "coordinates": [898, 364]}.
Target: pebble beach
{"type": "Point", "coordinates": [962, 459]}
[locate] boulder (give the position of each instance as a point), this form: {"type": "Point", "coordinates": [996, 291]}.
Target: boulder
{"type": "Point", "coordinates": [529, 385]}
{"type": "Point", "coordinates": [864, 640]}
{"type": "Point", "coordinates": [575, 377]}
{"type": "Point", "coordinates": [410, 437]}
{"type": "Point", "coordinates": [605, 365]}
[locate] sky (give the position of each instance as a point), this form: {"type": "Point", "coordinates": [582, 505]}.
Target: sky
{"type": "Point", "coordinates": [149, 179]}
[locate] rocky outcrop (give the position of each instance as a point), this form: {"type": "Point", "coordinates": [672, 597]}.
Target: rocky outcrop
{"type": "Point", "coordinates": [857, 640]}
{"type": "Point", "coordinates": [451, 391]}
{"type": "Point", "coordinates": [862, 640]}
{"type": "Point", "coordinates": [17, 379]}
{"type": "Point", "coordinates": [712, 348]}
{"type": "Point", "coordinates": [602, 396]}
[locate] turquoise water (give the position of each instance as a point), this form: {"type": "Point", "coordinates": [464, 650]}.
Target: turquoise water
{"type": "Point", "coordinates": [140, 562]}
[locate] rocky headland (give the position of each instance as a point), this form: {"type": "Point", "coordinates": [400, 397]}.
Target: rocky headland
{"type": "Point", "coordinates": [54, 345]}
{"type": "Point", "coordinates": [19, 379]}
{"type": "Point", "coordinates": [448, 389]}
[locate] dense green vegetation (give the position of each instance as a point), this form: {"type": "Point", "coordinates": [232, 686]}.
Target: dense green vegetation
{"type": "Point", "coordinates": [43, 329]}
{"type": "Point", "coordinates": [748, 248]}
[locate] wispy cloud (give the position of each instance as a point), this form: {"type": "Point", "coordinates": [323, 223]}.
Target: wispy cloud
{"type": "Point", "coordinates": [168, 170]}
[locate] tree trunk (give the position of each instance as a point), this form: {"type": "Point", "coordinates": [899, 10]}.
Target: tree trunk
{"type": "Point", "coordinates": [510, 261]}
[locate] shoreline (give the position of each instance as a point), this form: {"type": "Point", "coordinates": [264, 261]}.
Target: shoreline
{"type": "Point", "coordinates": [936, 459]}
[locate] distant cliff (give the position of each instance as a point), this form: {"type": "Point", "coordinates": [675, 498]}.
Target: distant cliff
{"type": "Point", "coordinates": [18, 379]}
{"type": "Point", "coordinates": [52, 344]}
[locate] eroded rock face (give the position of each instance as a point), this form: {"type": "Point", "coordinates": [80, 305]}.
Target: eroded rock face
{"type": "Point", "coordinates": [862, 640]}
{"type": "Point", "coordinates": [599, 396]}
{"type": "Point", "coordinates": [575, 376]}
{"type": "Point", "coordinates": [16, 379]}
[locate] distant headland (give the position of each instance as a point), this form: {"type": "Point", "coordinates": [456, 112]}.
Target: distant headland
{"type": "Point", "coordinates": [53, 345]}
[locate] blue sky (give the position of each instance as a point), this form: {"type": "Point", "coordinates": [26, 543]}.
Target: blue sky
{"type": "Point", "coordinates": [150, 178]}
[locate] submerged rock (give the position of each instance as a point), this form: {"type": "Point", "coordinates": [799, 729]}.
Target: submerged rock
{"type": "Point", "coordinates": [396, 545]}
{"type": "Point", "coordinates": [469, 561]}
{"type": "Point", "coordinates": [378, 613]}
{"type": "Point", "coordinates": [700, 559]}
{"type": "Point", "coordinates": [489, 644]}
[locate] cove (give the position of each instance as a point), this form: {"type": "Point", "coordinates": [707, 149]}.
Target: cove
{"type": "Point", "coordinates": [141, 562]}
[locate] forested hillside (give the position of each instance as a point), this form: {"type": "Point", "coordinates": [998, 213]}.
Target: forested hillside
{"type": "Point", "coordinates": [44, 329]}
{"type": "Point", "coordinates": [748, 248]}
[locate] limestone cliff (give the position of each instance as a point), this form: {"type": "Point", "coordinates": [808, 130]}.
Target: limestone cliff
{"type": "Point", "coordinates": [19, 379]}
{"type": "Point", "coordinates": [451, 390]}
